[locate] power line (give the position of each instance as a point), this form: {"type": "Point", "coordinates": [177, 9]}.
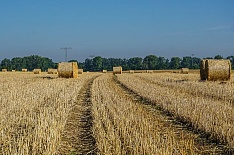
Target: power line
{"type": "Point", "coordinates": [65, 49]}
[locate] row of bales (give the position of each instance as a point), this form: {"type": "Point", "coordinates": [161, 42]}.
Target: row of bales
{"type": "Point", "coordinates": [210, 69]}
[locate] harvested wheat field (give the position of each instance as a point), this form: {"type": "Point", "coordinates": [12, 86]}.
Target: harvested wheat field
{"type": "Point", "coordinates": [122, 114]}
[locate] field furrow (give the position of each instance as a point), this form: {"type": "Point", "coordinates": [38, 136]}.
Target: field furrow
{"type": "Point", "coordinates": [123, 125]}
{"type": "Point", "coordinates": [212, 117]}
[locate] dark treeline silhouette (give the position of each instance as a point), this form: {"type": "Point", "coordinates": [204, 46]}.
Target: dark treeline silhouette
{"type": "Point", "coordinates": [150, 62]}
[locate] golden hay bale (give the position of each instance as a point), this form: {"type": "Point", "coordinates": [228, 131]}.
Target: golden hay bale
{"type": "Point", "coordinates": [37, 71]}
{"type": "Point", "coordinates": [104, 71]}
{"type": "Point", "coordinates": [68, 70]}
{"type": "Point", "coordinates": [80, 71]}
{"type": "Point", "coordinates": [52, 71]}
{"type": "Point", "coordinates": [13, 71]}
{"type": "Point", "coordinates": [203, 69]}
{"type": "Point", "coordinates": [149, 71]}
{"type": "Point", "coordinates": [184, 71]}
{"type": "Point", "coordinates": [4, 70]}
{"type": "Point", "coordinates": [24, 70]}
{"type": "Point", "coordinates": [117, 70]}
{"type": "Point", "coordinates": [131, 71]}
{"type": "Point", "coordinates": [217, 70]}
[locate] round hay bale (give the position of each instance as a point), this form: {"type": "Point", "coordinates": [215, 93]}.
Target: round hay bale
{"type": "Point", "coordinates": [4, 70]}
{"type": "Point", "coordinates": [218, 70]}
{"type": "Point", "coordinates": [13, 71]}
{"type": "Point", "coordinates": [68, 70]}
{"type": "Point", "coordinates": [117, 70]}
{"type": "Point", "coordinates": [131, 71]}
{"type": "Point", "coordinates": [52, 71]}
{"type": "Point", "coordinates": [104, 71]}
{"type": "Point", "coordinates": [80, 71]}
{"type": "Point", "coordinates": [24, 70]}
{"type": "Point", "coordinates": [37, 71]}
{"type": "Point", "coordinates": [184, 71]}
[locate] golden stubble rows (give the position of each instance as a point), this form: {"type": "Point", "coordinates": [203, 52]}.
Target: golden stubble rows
{"type": "Point", "coordinates": [123, 126]}
{"type": "Point", "coordinates": [34, 110]}
{"type": "Point", "coordinates": [209, 115]}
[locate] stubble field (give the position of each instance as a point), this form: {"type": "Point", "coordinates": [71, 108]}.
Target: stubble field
{"type": "Point", "coordinates": [158, 113]}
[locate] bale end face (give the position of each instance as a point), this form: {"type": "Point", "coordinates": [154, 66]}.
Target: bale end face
{"type": "Point", "coordinates": [184, 71]}
{"type": "Point", "coordinates": [117, 70]}
{"type": "Point", "coordinates": [68, 70]}
{"type": "Point", "coordinates": [216, 70]}
{"type": "Point", "coordinates": [37, 71]}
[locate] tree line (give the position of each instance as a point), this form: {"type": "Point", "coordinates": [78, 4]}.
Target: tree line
{"type": "Point", "coordinates": [98, 63]}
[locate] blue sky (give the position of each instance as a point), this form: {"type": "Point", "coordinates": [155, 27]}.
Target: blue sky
{"type": "Point", "coordinates": [116, 28]}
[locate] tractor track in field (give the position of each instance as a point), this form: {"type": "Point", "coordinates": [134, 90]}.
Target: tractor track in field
{"type": "Point", "coordinates": [77, 137]}
{"type": "Point", "coordinates": [203, 141]}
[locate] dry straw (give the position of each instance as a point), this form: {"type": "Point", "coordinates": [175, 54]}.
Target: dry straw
{"type": "Point", "coordinates": [104, 71]}
{"type": "Point", "coordinates": [80, 71]}
{"type": "Point", "coordinates": [24, 70]}
{"type": "Point", "coordinates": [4, 70]}
{"type": "Point", "coordinates": [13, 71]}
{"type": "Point", "coordinates": [117, 70]}
{"type": "Point", "coordinates": [131, 71]}
{"type": "Point", "coordinates": [184, 71]}
{"type": "Point", "coordinates": [52, 71]}
{"type": "Point", "coordinates": [149, 71]}
{"type": "Point", "coordinates": [37, 71]}
{"type": "Point", "coordinates": [216, 70]}
{"type": "Point", "coordinates": [68, 70]}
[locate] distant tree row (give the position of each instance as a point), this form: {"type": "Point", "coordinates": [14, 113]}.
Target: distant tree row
{"type": "Point", "coordinates": [150, 62]}
{"type": "Point", "coordinates": [29, 62]}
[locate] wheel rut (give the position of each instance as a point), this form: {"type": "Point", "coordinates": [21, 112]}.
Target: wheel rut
{"type": "Point", "coordinates": [77, 137]}
{"type": "Point", "coordinates": [203, 144]}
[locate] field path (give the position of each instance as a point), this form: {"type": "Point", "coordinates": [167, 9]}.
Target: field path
{"type": "Point", "coordinates": [77, 136]}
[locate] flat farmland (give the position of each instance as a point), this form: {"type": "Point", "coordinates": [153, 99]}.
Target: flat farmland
{"type": "Point", "coordinates": [123, 114]}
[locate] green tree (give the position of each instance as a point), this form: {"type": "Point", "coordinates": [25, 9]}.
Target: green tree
{"type": "Point", "coordinates": [175, 63]}
{"type": "Point", "coordinates": [97, 63]}
{"type": "Point", "coordinates": [218, 57]}
{"type": "Point", "coordinates": [150, 62]}
{"type": "Point", "coordinates": [6, 64]}
{"type": "Point", "coordinates": [135, 63]}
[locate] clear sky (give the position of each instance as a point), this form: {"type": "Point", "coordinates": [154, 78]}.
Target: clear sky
{"type": "Point", "coordinates": [116, 28]}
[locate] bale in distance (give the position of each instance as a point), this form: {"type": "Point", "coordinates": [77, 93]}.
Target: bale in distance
{"type": "Point", "coordinates": [104, 71]}
{"type": "Point", "coordinates": [68, 70]}
{"type": "Point", "coordinates": [4, 70]}
{"type": "Point", "coordinates": [37, 71]}
{"type": "Point", "coordinates": [80, 71]}
{"type": "Point", "coordinates": [24, 70]}
{"type": "Point", "coordinates": [184, 71]}
{"type": "Point", "coordinates": [217, 70]}
{"type": "Point", "coordinates": [13, 71]}
{"type": "Point", "coordinates": [131, 71]}
{"type": "Point", "coordinates": [149, 71]}
{"type": "Point", "coordinates": [117, 70]}
{"type": "Point", "coordinates": [52, 71]}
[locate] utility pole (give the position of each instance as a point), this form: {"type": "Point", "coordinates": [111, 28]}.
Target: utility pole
{"type": "Point", "coordinates": [192, 60]}
{"type": "Point", "coordinates": [65, 49]}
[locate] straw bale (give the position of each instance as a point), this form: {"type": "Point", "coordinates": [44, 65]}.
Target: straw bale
{"type": "Point", "coordinates": [217, 70]}
{"type": "Point", "coordinates": [52, 71]}
{"type": "Point", "coordinates": [131, 71]}
{"type": "Point", "coordinates": [37, 71]}
{"type": "Point", "coordinates": [184, 71]}
{"type": "Point", "coordinates": [24, 70]}
{"type": "Point", "coordinates": [4, 70]}
{"type": "Point", "coordinates": [68, 70]}
{"type": "Point", "coordinates": [104, 71]}
{"type": "Point", "coordinates": [13, 71]}
{"type": "Point", "coordinates": [149, 71]}
{"type": "Point", "coordinates": [117, 70]}
{"type": "Point", "coordinates": [80, 71]}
